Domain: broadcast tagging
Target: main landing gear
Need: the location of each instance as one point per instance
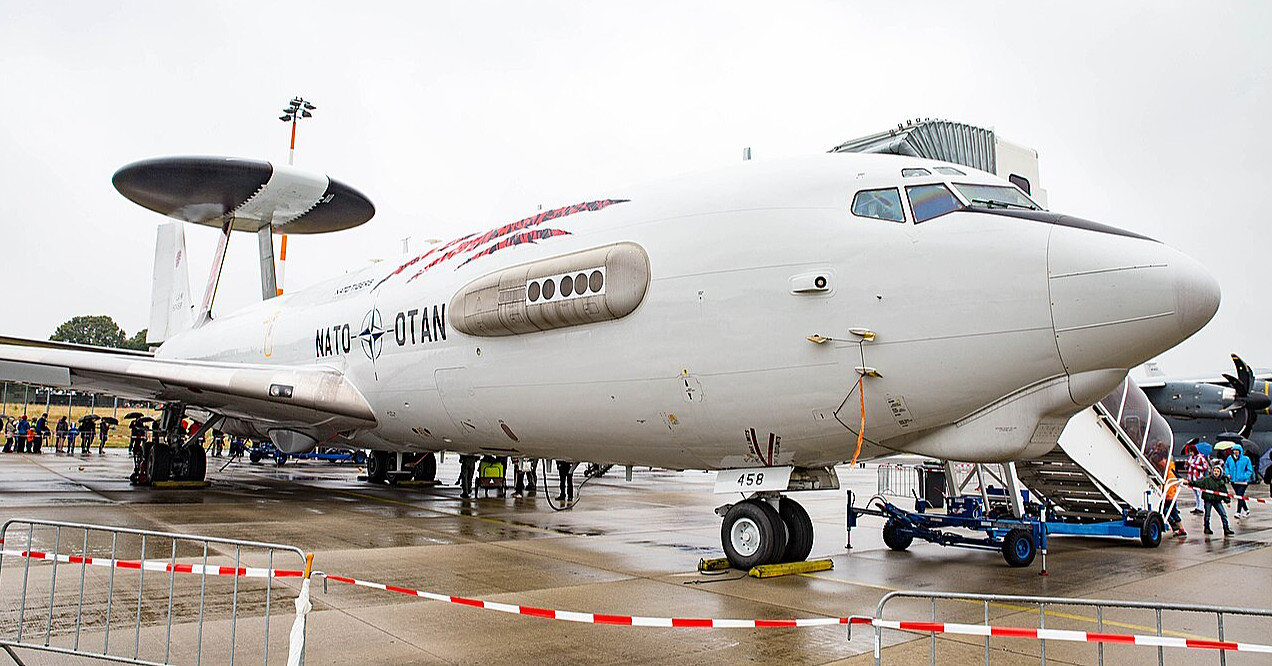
(169, 455)
(387, 466)
(766, 528)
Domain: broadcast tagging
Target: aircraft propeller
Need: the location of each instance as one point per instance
(1246, 403)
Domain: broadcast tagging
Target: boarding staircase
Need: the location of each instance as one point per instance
(1095, 473)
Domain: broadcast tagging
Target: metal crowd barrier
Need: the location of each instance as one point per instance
(1047, 607)
(898, 480)
(139, 583)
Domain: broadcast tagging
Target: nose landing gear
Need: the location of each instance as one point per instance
(766, 528)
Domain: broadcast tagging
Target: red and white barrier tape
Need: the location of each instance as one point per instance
(598, 618)
(1071, 636)
(645, 621)
(1240, 497)
(159, 565)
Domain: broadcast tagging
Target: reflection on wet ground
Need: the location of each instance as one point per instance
(626, 548)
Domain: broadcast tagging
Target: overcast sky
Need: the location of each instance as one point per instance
(454, 117)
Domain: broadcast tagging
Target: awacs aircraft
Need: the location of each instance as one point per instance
(755, 320)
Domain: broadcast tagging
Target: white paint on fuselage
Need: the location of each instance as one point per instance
(960, 305)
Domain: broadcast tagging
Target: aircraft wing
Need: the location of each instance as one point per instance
(309, 396)
(52, 344)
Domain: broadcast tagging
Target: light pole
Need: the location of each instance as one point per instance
(297, 109)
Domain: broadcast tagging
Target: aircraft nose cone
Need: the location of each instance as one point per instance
(1196, 295)
(1120, 300)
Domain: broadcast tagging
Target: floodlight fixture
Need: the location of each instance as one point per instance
(309, 106)
(284, 118)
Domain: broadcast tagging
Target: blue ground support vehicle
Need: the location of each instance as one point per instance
(266, 450)
(1018, 539)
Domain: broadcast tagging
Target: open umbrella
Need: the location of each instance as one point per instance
(89, 417)
(1223, 446)
(111, 420)
(133, 415)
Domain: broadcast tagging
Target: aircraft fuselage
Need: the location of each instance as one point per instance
(990, 328)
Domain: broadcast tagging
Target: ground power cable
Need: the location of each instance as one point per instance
(569, 503)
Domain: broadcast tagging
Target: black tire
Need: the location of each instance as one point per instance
(799, 530)
(254, 456)
(1018, 548)
(197, 467)
(895, 539)
(378, 464)
(1151, 530)
(749, 534)
(779, 527)
(425, 468)
(160, 463)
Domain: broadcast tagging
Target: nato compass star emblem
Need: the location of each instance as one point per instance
(372, 335)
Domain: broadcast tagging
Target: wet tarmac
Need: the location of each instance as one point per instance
(627, 548)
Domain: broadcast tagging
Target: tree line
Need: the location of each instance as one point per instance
(99, 331)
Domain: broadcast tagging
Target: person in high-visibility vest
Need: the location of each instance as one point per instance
(1173, 518)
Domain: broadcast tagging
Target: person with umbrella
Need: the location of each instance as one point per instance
(87, 429)
(136, 430)
(1197, 467)
(103, 431)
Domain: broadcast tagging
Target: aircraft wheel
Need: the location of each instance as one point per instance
(197, 467)
(1018, 548)
(752, 534)
(378, 464)
(160, 462)
(894, 539)
(1151, 531)
(425, 468)
(799, 530)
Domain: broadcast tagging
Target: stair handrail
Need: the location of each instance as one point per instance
(1158, 479)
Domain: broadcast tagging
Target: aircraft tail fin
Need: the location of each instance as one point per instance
(171, 309)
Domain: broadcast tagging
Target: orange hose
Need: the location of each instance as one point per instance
(861, 429)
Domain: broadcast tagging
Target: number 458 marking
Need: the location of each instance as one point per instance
(751, 480)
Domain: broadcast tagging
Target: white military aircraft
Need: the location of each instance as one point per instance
(768, 320)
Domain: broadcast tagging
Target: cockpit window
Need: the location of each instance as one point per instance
(879, 204)
(995, 196)
(949, 171)
(929, 201)
(915, 171)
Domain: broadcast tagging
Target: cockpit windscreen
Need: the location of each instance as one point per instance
(995, 196)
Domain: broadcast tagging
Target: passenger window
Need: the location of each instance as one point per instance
(950, 171)
(911, 173)
(879, 204)
(929, 201)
